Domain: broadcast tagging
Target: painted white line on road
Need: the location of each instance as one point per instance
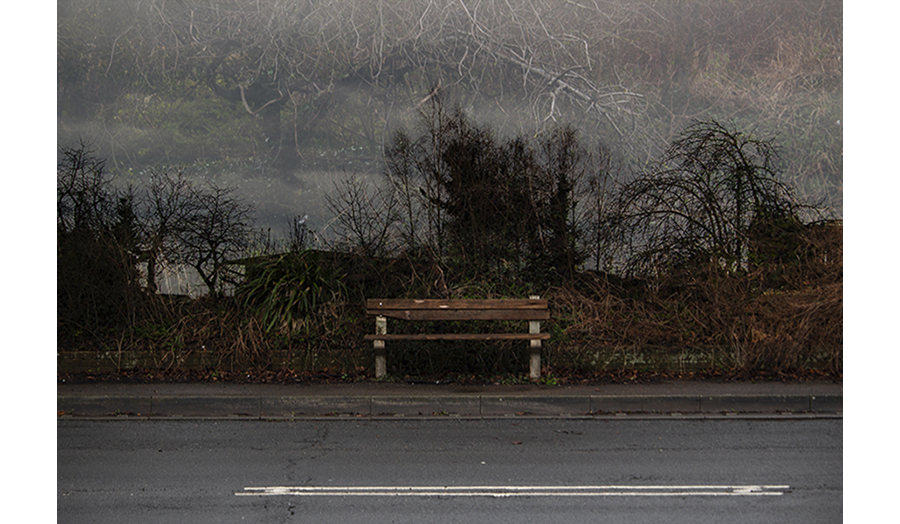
(518, 491)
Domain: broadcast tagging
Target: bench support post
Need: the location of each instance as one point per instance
(534, 352)
(534, 349)
(380, 352)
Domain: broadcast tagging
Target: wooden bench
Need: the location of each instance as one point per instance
(533, 310)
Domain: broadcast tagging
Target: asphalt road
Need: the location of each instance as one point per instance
(518, 470)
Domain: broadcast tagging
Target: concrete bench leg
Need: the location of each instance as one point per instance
(534, 352)
(380, 353)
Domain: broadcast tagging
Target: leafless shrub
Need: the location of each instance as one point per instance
(702, 202)
(365, 217)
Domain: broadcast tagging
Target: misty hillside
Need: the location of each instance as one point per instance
(281, 98)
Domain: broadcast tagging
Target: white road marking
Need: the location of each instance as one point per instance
(517, 491)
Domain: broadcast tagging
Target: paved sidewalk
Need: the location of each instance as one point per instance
(276, 401)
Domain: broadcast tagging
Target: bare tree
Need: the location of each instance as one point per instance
(698, 204)
(84, 194)
(215, 232)
(364, 217)
(168, 205)
(347, 68)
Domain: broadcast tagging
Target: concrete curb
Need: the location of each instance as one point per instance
(468, 406)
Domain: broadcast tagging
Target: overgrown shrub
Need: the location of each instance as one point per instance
(98, 285)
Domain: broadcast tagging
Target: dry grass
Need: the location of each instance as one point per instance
(712, 319)
(692, 322)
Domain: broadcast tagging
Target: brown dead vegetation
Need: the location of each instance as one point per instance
(697, 325)
(738, 322)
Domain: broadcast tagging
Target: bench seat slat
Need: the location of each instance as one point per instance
(463, 314)
(504, 303)
(461, 336)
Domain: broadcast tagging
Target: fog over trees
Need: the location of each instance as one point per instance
(280, 97)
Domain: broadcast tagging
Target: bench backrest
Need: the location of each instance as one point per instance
(437, 309)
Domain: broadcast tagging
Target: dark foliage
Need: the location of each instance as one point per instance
(104, 233)
(285, 288)
(98, 284)
(487, 208)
